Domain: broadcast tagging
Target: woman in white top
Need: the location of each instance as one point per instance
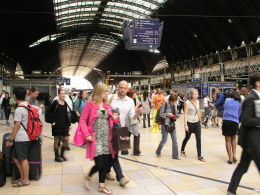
(192, 119)
(146, 105)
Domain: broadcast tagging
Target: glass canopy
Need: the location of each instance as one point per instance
(82, 15)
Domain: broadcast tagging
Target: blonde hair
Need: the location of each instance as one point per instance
(97, 92)
(192, 91)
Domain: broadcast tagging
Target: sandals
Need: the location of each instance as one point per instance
(20, 183)
(87, 183)
(201, 159)
(15, 181)
(183, 154)
(234, 160)
(104, 190)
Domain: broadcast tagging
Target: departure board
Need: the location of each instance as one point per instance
(142, 34)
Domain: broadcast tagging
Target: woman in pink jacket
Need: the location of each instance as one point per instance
(95, 126)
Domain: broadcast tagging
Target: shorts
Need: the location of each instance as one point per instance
(220, 113)
(20, 150)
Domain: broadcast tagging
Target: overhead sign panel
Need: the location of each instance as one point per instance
(142, 34)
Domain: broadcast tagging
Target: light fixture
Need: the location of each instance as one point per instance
(243, 43)
(195, 35)
(258, 39)
(154, 51)
(230, 21)
(229, 47)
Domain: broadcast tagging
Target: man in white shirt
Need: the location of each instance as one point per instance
(2, 96)
(126, 108)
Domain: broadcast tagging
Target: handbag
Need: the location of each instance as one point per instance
(170, 127)
(73, 117)
(120, 138)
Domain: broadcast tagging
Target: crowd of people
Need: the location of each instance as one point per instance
(97, 113)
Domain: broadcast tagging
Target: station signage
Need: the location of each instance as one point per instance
(63, 80)
(142, 34)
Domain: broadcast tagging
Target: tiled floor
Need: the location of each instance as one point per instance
(67, 178)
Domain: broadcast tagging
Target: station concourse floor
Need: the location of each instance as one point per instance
(145, 179)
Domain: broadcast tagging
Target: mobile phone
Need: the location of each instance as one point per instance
(115, 111)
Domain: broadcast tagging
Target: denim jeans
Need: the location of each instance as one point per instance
(165, 133)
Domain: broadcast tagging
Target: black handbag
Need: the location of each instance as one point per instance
(73, 117)
(121, 138)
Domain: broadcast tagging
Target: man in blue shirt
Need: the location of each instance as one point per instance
(220, 102)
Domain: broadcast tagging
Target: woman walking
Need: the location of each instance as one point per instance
(181, 103)
(60, 125)
(96, 123)
(232, 109)
(192, 122)
(80, 102)
(147, 105)
(133, 125)
(169, 113)
(6, 107)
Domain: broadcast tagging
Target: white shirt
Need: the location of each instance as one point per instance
(167, 98)
(257, 92)
(126, 108)
(1, 98)
(206, 102)
(242, 98)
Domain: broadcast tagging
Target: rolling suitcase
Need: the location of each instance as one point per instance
(35, 161)
(2, 174)
(7, 155)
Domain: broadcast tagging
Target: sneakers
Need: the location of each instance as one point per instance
(110, 177)
(123, 181)
(139, 154)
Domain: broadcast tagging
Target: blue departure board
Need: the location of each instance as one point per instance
(142, 34)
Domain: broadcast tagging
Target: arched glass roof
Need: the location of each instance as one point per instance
(72, 15)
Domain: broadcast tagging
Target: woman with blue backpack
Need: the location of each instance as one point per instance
(168, 116)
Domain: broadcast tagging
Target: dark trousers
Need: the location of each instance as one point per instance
(193, 128)
(181, 107)
(144, 120)
(7, 112)
(117, 168)
(243, 167)
(103, 163)
(137, 144)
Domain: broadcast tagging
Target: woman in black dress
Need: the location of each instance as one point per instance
(6, 107)
(60, 125)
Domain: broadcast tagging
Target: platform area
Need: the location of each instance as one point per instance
(148, 174)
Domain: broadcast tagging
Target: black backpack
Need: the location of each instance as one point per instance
(158, 118)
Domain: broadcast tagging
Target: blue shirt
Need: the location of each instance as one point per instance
(220, 102)
(232, 109)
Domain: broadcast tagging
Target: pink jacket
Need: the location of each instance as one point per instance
(86, 128)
